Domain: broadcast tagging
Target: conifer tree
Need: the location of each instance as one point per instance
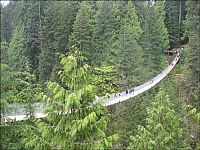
(83, 28)
(47, 39)
(65, 15)
(172, 21)
(131, 68)
(11, 135)
(32, 22)
(7, 87)
(105, 79)
(73, 120)
(17, 51)
(155, 37)
(27, 15)
(130, 55)
(23, 82)
(191, 71)
(192, 53)
(7, 16)
(163, 130)
(27, 90)
(56, 26)
(104, 38)
(16, 89)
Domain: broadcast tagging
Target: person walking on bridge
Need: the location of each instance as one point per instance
(132, 90)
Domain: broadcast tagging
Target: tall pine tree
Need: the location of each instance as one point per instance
(17, 51)
(83, 29)
(130, 55)
(104, 38)
(155, 37)
(172, 21)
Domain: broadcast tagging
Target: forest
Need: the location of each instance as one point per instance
(63, 55)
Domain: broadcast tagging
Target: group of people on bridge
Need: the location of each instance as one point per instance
(126, 92)
(119, 94)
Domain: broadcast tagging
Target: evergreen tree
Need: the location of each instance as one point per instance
(29, 13)
(11, 135)
(23, 82)
(130, 55)
(17, 51)
(192, 54)
(15, 88)
(73, 121)
(7, 87)
(33, 24)
(65, 14)
(191, 71)
(163, 130)
(132, 72)
(104, 38)
(83, 28)
(155, 37)
(105, 80)
(27, 90)
(54, 37)
(7, 16)
(172, 21)
(127, 117)
(160, 14)
(47, 38)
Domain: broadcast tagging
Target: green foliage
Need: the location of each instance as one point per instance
(127, 117)
(130, 57)
(17, 50)
(104, 38)
(104, 79)
(17, 84)
(195, 115)
(162, 39)
(192, 67)
(73, 121)
(121, 41)
(34, 11)
(8, 89)
(155, 37)
(11, 135)
(27, 90)
(4, 52)
(83, 28)
(54, 36)
(172, 21)
(163, 130)
(16, 87)
(47, 54)
(7, 16)
(65, 15)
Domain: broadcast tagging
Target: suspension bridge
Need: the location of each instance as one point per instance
(113, 98)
